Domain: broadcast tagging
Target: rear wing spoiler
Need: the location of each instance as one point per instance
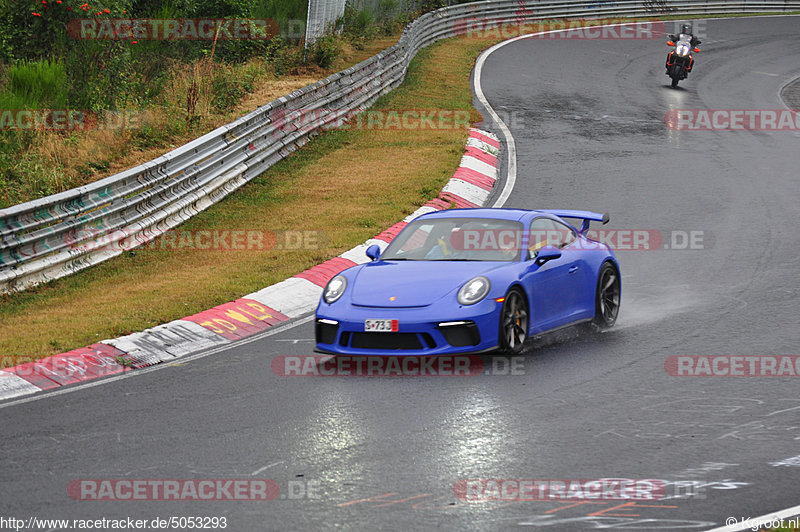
(586, 216)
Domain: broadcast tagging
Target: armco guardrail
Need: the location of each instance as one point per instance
(54, 236)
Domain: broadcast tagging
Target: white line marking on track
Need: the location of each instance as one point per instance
(499, 202)
(509, 187)
(511, 146)
(257, 471)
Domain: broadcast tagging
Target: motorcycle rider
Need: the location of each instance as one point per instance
(685, 31)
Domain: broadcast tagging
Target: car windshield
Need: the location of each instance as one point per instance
(457, 239)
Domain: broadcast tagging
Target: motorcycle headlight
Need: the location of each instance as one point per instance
(474, 290)
(682, 50)
(334, 289)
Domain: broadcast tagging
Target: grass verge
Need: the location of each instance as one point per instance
(342, 188)
(193, 98)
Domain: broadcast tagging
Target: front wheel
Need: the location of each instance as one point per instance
(513, 322)
(675, 75)
(607, 299)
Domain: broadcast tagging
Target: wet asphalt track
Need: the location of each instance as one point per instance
(385, 453)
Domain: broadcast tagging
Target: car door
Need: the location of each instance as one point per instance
(552, 287)
(579, 280)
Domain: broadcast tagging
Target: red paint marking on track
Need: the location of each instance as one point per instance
(459, 202)
(438, 204)
(484, 138)
(322, 273)
(475, 178)
(96, 360)
(481, 155)
(238, 319)
(392, 232)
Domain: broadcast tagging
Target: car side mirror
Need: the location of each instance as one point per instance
(547, 253)
(374, 251)
(670, 43)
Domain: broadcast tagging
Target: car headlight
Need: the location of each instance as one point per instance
(334, 289)
(474, 290)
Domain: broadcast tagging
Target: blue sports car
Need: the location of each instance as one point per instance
(471, 281)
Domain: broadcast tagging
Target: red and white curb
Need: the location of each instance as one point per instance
(470, 186)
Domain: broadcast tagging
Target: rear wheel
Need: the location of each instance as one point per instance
(607, 300)
(513, 322)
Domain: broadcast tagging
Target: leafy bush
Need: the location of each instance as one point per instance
(286, 58)
(355, 21)
(227, 90)
(289, 14)
(33, 29)
(325, 50)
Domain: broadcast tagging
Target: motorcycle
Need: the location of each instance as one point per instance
(680, 60)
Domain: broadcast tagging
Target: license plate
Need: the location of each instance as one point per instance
(380, 325)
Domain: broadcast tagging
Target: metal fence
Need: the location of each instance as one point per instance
(322, 15)
(55, 236)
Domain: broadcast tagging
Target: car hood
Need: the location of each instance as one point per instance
(395, 284)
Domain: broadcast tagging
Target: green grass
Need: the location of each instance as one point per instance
(343, 185)
(312, 190)
(35, 85)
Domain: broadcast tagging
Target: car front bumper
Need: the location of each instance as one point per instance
(429, 330)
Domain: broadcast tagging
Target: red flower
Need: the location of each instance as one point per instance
(44, 2)
(97, 13)
(36, 14)
(106, 11)
(135, 42)
(58, 1)
(85, 7)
